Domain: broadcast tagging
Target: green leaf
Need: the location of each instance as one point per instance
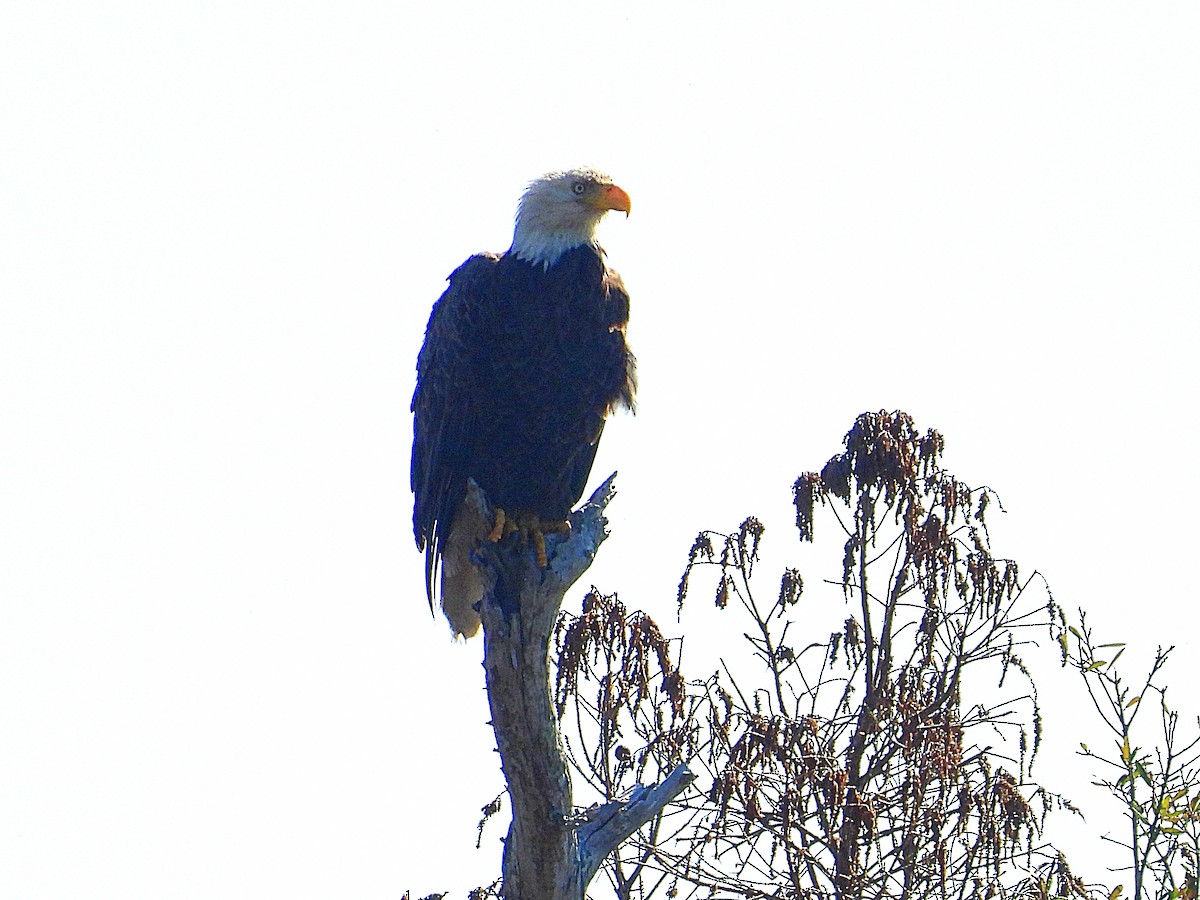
(1096, 665)
(1116, 892)
(1134, 701)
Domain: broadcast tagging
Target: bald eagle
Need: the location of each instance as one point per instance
(524, 358)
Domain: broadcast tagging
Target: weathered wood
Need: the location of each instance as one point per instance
(610, 825)
(548, 855)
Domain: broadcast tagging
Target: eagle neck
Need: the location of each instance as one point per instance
(549, 252)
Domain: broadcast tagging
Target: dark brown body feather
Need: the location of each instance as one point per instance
(520, 366)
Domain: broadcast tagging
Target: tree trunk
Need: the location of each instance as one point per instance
(550, 853)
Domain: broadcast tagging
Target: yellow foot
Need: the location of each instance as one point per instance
(535, 531)
(497, 531)
(539, 548)
(562, 527)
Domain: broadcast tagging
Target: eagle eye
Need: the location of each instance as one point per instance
(579, 187)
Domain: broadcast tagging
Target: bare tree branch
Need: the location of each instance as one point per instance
(610, 825)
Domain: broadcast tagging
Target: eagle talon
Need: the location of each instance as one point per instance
(562, 528)
(497, 531)
(533, 531)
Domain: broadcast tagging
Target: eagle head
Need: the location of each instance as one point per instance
(561, 210)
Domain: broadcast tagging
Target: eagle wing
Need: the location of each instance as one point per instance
(444, 410)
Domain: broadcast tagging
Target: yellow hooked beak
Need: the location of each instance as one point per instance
(610, 196)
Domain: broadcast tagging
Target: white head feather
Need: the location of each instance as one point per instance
(560, 211)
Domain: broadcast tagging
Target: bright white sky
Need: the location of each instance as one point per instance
(221, 230)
